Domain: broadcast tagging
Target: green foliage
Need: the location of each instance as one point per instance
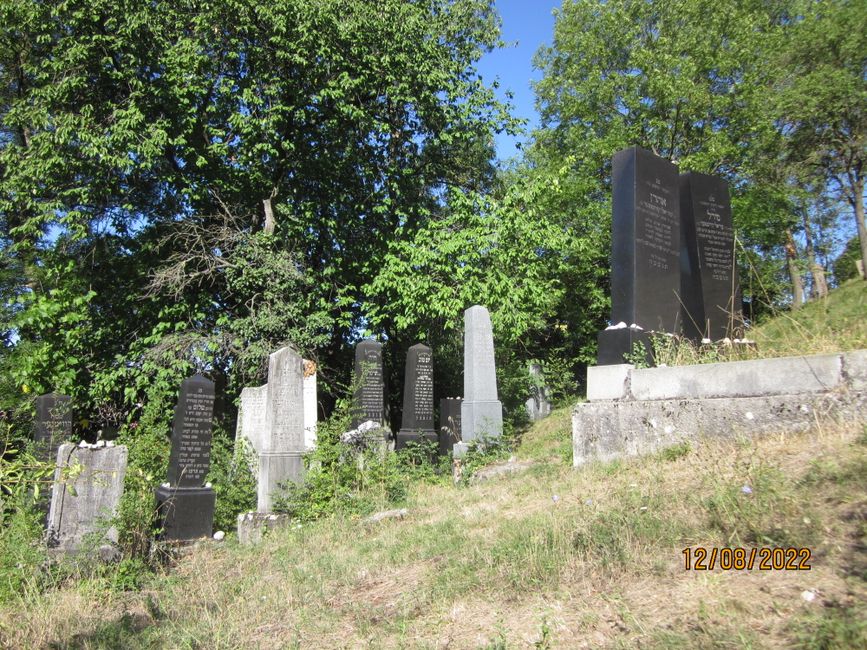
(676, 452)
(232, 480)
(844, 265)
(22, 550)
(483, 452)
(834, 628)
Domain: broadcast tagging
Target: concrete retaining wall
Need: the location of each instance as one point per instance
(638, 411)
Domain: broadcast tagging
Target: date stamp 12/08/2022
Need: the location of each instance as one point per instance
(739, 559)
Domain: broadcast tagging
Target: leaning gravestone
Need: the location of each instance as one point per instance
(418, 398)
(53, 424)
(185, 503)
(709, 281)
(369, 398)
(645, 260)
(282, 456)
(450, 424)
(311, 405)
(88, 484)
(481, 411)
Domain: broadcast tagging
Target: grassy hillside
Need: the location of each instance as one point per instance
(551, 558)
(838, 322)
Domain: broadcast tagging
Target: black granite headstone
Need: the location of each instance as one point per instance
(418, 398)
(450, 423)
(645, 261)
(369, 398)
(186, 506)
(53, 424)
(709, 279)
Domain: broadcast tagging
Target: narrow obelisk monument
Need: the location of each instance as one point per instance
(711, 305)
(282, 450)
(481, 411)
(369, 398)
(418, 398)
(645, 259)
(185, 503)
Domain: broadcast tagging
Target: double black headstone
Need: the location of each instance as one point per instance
(369, 398)
(186, 505)
(53, 424)
(418, 398)
(709, 279)
(450, 423)
(673, 266)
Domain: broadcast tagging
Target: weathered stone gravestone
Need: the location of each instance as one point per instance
(251, 421)
(311, 405)
(481, 411)
(538, 405)
(645, 260)
(185, 503)
(281, 457)
(418, 398)
(88, 484)
(53, 424)
(450, 424)
(710, 291)
(369, 398)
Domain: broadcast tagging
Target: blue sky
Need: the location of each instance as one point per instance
(527, 24)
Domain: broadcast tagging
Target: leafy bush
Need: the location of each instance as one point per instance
(22, 551)
(232, 480)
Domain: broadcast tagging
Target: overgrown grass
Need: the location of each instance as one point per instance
(534, 560)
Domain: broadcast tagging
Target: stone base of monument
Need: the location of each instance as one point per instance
(481, 419)
(275, 470)
(253, 527)
(615, 345)
(185, 513)
(405, 437)
(633, 412)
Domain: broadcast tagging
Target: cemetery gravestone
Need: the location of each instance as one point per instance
(185, 504)
(645, 264)
(709, 281)
(481, 411)
(53, 423)
(418, 398)
(310, 405)
(538, 405)
(450, 424)
(369, 398)
(88, 484)
(281, 458)
(251, 421)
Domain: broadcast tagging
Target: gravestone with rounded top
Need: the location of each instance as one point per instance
(185, 503)
(418, 398)
(369, 397)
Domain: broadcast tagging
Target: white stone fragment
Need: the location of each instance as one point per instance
(219, 536)
(638, 328)
(620, 326)
(749, 415)
(100, 444)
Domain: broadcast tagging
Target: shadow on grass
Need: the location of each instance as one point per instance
(129, 631)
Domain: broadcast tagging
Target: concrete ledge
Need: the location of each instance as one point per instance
(255, 526)
(608, 382)
(604, 431)
(759, 377)
(855, 369)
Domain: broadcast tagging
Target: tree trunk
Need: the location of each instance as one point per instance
(794, 273)
(270, 222)
(858, 196)
(819, 289)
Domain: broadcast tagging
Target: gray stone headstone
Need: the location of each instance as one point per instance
(88, 485)
(538, 405)
(710, 290)
(311, 405)
(53, 423)
(450, 423)
(481, 410)
(251, 420)
(186, 504)
(418, 398)
(369, 398)
(281, 458)
(645, 258)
